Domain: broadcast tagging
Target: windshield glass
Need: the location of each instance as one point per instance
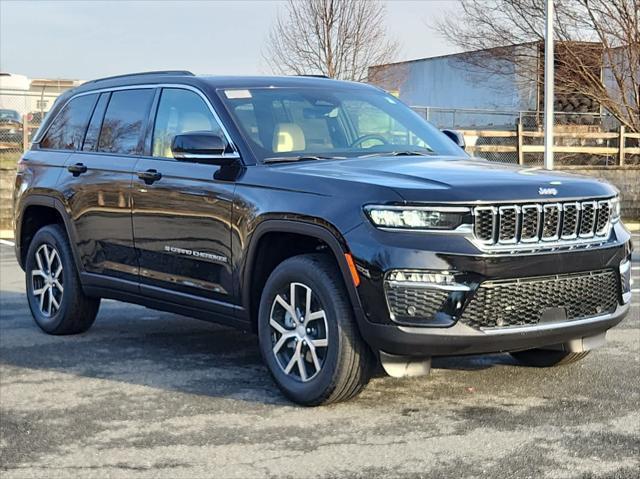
(290, 123)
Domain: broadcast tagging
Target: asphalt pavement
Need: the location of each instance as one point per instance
(150, 394)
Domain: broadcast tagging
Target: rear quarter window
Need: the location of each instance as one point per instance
(67, 129)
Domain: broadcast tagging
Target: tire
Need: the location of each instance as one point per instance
(345, 361)
(546, 358)
(52, 279)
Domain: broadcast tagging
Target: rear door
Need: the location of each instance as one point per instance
(182, 219)
(97, 183)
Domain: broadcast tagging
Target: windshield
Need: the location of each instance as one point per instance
(316, 123)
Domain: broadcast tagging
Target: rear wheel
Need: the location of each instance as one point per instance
(546, 358)
(58, 304)
(307, 333)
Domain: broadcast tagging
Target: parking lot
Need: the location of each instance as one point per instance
(149, 394)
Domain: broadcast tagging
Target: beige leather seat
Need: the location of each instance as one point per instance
(288, 137)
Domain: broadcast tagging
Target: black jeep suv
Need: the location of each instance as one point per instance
(326, 216)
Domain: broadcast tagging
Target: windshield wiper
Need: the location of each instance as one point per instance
(284, 159)
(400, 153)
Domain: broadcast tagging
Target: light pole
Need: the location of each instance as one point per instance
(548, 87)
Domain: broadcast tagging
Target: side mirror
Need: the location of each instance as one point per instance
(456, 137)
(203, 146)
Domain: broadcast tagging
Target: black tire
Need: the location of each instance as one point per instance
(546, 358)
(76, 312)
(345, 362)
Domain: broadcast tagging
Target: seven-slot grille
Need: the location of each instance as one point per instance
(537, 225)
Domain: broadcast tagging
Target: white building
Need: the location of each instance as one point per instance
(29, 95)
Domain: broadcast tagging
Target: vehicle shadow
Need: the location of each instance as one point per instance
(135, 345)
(144, 347)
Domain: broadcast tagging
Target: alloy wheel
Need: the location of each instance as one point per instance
(299, 332)
(47, 280)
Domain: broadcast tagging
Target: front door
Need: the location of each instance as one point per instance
(181, 212)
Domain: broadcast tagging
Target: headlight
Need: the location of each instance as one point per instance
(418, 218)
(615, 209)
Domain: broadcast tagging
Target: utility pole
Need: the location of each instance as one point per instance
(548, 87)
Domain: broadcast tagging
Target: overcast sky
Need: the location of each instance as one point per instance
(84, 40)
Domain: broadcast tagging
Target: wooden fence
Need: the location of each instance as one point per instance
(521, 149)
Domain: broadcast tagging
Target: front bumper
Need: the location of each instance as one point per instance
(446, 334)
(460, 339)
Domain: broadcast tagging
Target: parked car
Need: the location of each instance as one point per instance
(325, 216)
(10, 128)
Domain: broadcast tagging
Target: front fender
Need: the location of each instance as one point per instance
(312, 227)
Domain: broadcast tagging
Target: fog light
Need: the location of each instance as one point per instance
(625, 280)
(444, 280)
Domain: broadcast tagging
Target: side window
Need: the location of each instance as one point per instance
(67, 130)
(124, 121)
(93, 130)
(180, 111)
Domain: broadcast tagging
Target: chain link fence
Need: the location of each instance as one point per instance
(21, 113)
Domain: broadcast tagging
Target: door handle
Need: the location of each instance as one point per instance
(77, 169)
(149, 176)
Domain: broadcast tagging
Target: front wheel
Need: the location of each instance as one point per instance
(308, 336)
(546, 358)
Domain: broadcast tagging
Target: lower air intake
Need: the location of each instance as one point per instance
(524, 302)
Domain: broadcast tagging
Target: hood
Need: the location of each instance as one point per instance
(437, 179)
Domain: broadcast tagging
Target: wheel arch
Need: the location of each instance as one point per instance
(38, 211)
(327, 235)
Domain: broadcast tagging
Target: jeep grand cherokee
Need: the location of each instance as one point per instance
(325, 216)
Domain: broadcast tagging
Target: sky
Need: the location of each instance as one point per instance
(84, 40)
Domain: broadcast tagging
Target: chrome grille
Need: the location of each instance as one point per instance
(531, 215)
(508, 232)
(588, 219)
(604, 217)
(541, 225)
(485, 222)
(570, 220)
(551, 222)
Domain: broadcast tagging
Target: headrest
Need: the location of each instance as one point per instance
(288, 137)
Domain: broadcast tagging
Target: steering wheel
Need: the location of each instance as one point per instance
(363, 138)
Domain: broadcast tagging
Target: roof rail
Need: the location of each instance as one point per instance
(312, 75)
(159, 72)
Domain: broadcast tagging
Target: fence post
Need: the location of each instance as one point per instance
(25, 133)
(520, 142)
(621, 146)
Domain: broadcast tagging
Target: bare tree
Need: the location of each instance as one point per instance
(598, 53)
(336, 38)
